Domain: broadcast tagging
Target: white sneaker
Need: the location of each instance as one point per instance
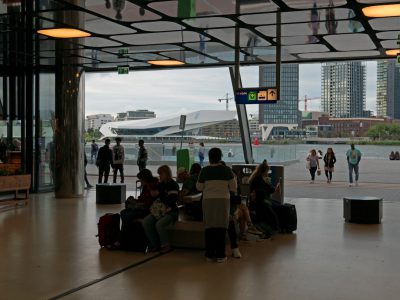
(350, 184)
(236, 253)
(253, 230)
(222, 259)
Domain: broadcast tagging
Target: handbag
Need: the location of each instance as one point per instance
(319, 172)
(308, 164)
(158, 209)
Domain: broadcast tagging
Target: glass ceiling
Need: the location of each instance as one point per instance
(204, 35)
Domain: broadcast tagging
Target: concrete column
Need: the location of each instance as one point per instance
(69, 114)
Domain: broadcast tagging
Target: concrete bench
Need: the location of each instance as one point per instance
(361, 209)
(187, 234)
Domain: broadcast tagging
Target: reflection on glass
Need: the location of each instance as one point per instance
(354, 26)
(314, 25)
(331, 24)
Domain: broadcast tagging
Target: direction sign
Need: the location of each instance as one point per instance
(256, 95)
(272, 94)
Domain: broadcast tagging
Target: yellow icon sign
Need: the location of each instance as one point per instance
(262, 96)
(272, 95)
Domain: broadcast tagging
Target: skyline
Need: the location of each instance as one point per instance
(188, 90)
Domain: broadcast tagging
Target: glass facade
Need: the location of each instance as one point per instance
(285, 111)
(388, 89)
(343, 89)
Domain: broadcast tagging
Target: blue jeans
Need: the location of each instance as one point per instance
(351, 168)
(156, 229)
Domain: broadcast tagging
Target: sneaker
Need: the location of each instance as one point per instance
(209, 259)
(350, 184)
(243, 237)
(165, 249)
(222, 259)
(236, 253)
(253, 230)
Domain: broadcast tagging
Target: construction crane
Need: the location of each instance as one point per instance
(308, 99)
(227, 99)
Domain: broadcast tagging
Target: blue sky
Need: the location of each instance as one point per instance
(171, 92)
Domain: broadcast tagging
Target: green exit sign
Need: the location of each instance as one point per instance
(122, 52)
(122, 70)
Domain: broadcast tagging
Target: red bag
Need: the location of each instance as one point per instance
(108, 229)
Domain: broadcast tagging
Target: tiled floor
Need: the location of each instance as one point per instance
(49, 248)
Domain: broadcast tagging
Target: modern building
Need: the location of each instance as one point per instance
(254, 127)
(49, 249)
(342, 127)
(135, 115)
(96, 121)
(343, 89)
(284, 115)
(201, 125)
(388, 89)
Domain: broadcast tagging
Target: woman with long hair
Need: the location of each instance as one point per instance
(313, 159)
(329, 161)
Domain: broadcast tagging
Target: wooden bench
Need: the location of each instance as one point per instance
(16, 184)
(187, 234)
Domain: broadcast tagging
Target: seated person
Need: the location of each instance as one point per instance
(189, 188)
(260, 191)
(181, 175)
(149, 193)
(189, 185)
(164, 212)
(392, 156)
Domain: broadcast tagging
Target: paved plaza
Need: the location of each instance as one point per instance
(378, 177)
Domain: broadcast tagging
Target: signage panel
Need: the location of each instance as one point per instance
(123, 70)
(256, 96)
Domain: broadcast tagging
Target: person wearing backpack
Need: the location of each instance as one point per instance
(353, 160)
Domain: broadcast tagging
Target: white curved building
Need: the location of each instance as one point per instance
(202, 124)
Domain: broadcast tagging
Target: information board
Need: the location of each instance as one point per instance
(256, 96)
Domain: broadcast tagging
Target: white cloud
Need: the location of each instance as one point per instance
(180, 91)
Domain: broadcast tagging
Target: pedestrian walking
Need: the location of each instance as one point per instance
(313, 164)
(353, 160)
(85, 161)
(142, 156)
(329, 164)
(118, 160)
(94, 148)
(201, 154)
(104, 161)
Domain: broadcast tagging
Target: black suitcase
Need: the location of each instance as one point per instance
(287, 217)
(132, 237)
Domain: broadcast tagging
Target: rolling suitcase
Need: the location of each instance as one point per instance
(287, 217)
(108, 229)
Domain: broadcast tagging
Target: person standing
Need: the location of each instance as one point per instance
(174, 150)
(94, 148)
(202, 151)
(353, 160)
(104, 160)
(216, 181)
(329, 164)
(313, 160)
(118, 160)
(88, 185)
(142, 156)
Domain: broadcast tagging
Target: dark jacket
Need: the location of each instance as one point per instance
(262, 189)
(104, 156)
(329, 160)
(169, 193)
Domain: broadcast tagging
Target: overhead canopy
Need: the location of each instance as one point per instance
(200, 33)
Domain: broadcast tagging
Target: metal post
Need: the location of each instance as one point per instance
(241, 108)
(278, 55)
